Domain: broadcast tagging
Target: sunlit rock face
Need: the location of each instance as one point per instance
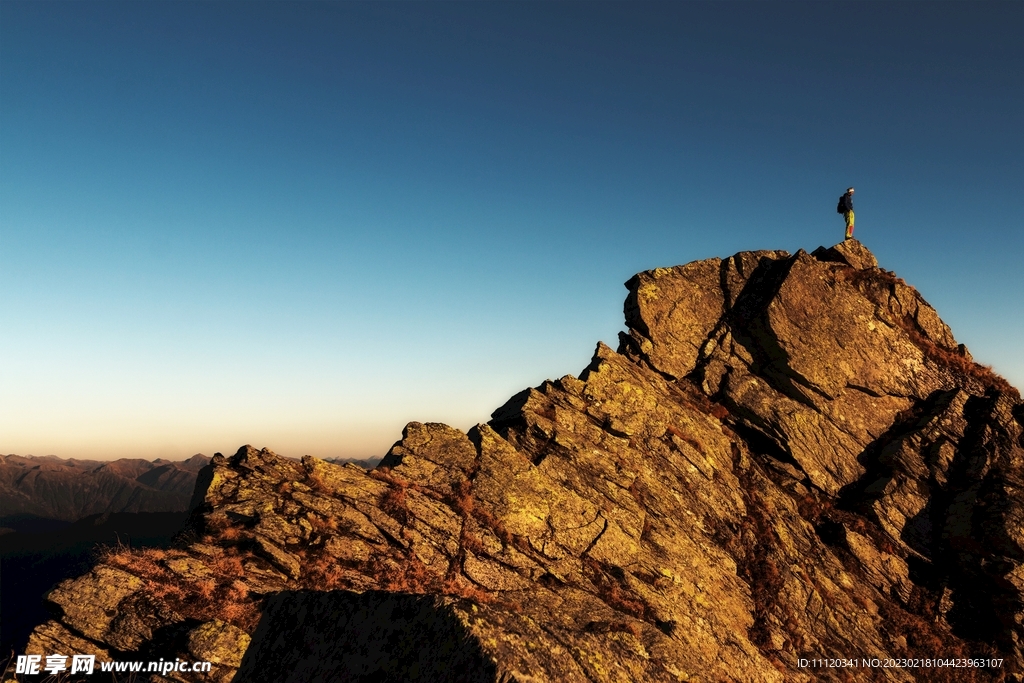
(788, 457)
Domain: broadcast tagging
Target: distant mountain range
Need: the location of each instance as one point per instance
(56, 514)
(41, 491)
(365, 463)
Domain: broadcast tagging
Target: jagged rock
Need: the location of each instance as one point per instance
(281, 559)
(263, 580)
(789, 456)
(52, 637)
(189, 568)
(851, 252)
(90, 604)
(889, 573)
(219, 643)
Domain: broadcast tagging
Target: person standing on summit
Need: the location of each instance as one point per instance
(846, 208)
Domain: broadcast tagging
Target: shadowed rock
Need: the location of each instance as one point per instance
(389, 637)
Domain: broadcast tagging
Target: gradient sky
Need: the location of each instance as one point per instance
(301, 226)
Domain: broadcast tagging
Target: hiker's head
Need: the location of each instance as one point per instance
(850, 190)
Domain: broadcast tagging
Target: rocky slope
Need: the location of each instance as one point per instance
(788, 457)
(50, 488)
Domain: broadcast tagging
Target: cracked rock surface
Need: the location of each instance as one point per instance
(788, 456)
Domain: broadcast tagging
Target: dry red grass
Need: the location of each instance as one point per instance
(692, 398)
(812, 506)
(460, 586)
(613, 626)
(647, 527)
(387, 476)
(238, 591)
(218, 596)
(956, 362)
(752, 544)
(317, 484)
(410, 575)
(323, 572)
(612, 590)
(321, 524)
(462, 498)
(393, 503)
(494, 524)
(925, 638)
(948, 358)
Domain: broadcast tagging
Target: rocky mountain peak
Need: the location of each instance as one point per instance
(788, 457)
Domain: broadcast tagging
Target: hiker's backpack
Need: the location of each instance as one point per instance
(842, 204)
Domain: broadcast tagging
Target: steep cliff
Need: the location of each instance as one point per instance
(789, 457)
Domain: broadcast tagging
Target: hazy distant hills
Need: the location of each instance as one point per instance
(64, 508)
(56, 512)
(34, 489)
(365, 463)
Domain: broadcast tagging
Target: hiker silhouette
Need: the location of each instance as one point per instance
(845, 207)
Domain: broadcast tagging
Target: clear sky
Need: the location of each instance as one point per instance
(301, 226)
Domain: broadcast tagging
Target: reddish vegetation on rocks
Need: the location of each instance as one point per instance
(788, 457)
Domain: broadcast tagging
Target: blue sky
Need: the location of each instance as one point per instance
(303, 225)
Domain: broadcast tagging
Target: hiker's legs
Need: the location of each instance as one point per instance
(849, 224)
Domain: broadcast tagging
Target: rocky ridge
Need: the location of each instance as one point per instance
(788, 456)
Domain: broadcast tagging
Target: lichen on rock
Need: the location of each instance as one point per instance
(787, 457)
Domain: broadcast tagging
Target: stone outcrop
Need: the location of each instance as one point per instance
(788, 457)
